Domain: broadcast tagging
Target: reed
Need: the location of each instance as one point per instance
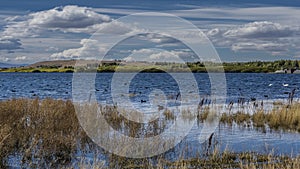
(47, 133)
(286, 117)
(216, 159)
(44, 131)
(281, 117)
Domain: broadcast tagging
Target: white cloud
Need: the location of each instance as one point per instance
(269, 29)
(66, 19)
(276, 30)
(251, 46)
(213, 32)
(129, 59)
(91, 49)
(261, 30)
(5, 59)
(21, 58)
(159, 55)
(158, 38)
(115, 27)
(143, 51)
(60, 22)
(267, 36)
(165, 56)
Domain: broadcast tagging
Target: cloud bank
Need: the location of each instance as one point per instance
(266, 36)
(274, 30)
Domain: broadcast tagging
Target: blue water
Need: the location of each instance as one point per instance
(59, 85)
(258, 86)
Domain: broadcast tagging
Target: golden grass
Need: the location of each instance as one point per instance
(47, 133)
(47, 129)
(216, 160)
(285, 117)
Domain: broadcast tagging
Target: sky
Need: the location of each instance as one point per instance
(244, 30)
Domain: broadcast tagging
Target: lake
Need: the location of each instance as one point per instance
(59, 85)
(250, 86)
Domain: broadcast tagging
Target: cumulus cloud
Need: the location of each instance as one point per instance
(159, 55)
(213, 32)
(264, 29)
(10, 44)
(69, 18)
(274, 37)
(91, 49)
(255, 36)
(165, 56)
(157, 38)
(115, 27)
(21, 58)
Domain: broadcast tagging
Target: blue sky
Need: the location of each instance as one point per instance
(241, 30)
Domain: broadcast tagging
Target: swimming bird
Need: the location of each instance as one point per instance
(210, 140)
(160, 107)
(285, 85)
(270, 84)
(177, 96)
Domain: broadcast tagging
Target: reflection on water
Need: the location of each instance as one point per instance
(241, 139)
(59, 85)
(266, 87)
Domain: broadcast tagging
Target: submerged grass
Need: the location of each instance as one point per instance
(44, 131)
(216, 160)
(47, 133)
(282, 117)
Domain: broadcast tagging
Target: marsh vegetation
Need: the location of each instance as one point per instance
(46, 133)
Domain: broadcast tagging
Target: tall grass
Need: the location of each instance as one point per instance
(47, 133)
(43, 131)
(284, 116)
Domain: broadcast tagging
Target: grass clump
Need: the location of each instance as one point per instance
(47, 133)
(44, 131)
(285, 117)
(281, 117)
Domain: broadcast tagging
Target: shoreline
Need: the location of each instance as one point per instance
(280, 67)
(71, 71)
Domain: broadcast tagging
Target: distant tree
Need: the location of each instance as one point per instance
(281, 63)
(295, 64)
(288, 64)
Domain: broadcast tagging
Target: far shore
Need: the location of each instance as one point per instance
(68, 66)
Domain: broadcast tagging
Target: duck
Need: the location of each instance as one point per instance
(285, 84)
(160, 107)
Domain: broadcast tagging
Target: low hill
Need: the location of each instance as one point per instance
(56, 63)
(66, 63)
